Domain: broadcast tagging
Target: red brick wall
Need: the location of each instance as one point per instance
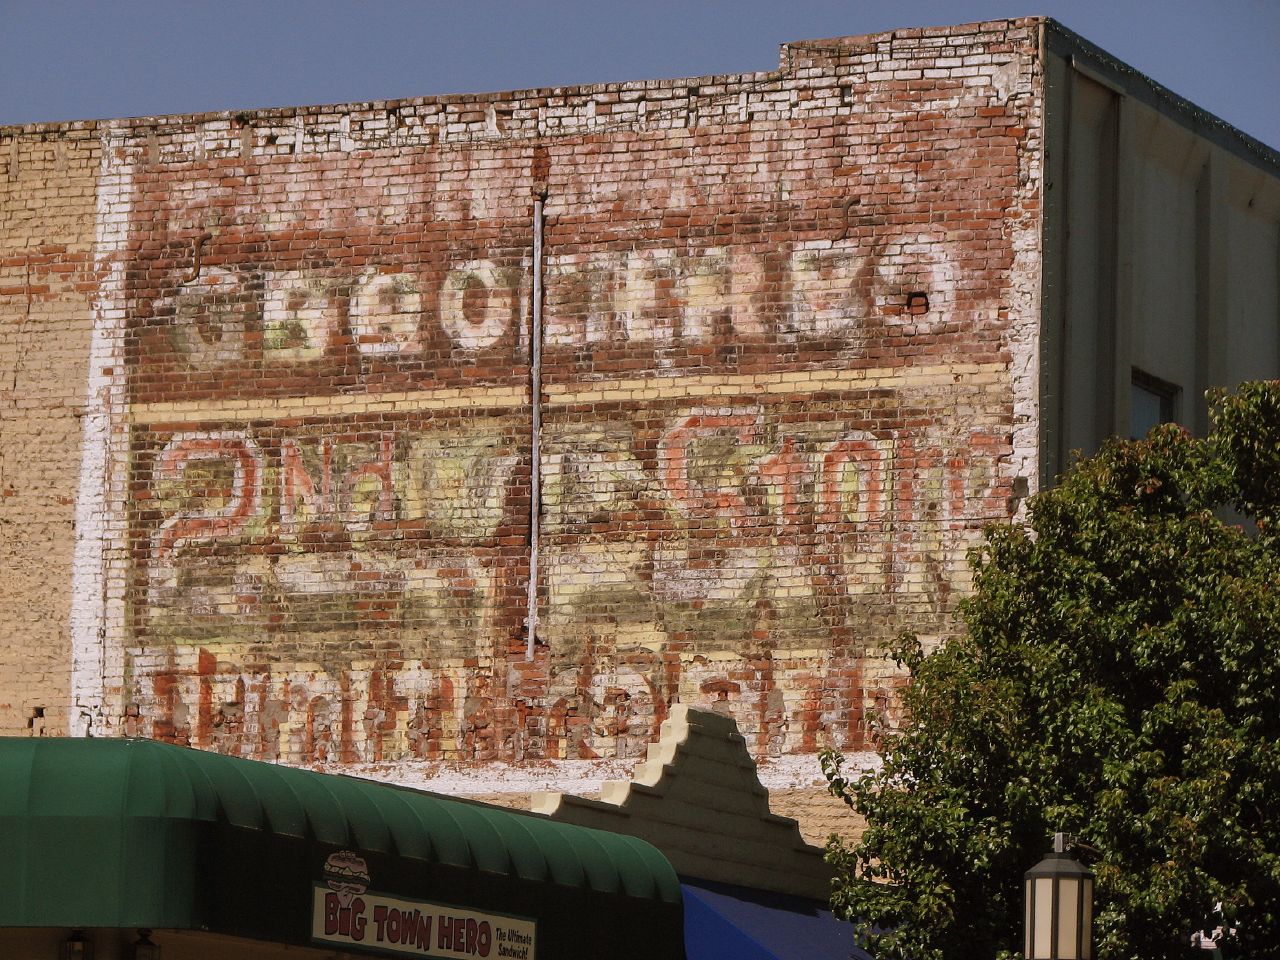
(786, 379)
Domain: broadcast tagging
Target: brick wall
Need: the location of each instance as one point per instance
(788, 361)
(47, 280)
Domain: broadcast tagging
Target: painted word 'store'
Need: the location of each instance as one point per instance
(853, 477)
(719, 469)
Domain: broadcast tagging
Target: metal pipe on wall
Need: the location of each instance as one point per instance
(535, 396)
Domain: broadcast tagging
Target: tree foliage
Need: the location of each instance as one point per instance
(1118, 679)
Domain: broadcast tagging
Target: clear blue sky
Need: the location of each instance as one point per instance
(76, 59)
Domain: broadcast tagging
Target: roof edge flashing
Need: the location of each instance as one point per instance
(1109, 70)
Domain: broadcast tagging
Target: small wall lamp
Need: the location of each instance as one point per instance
(76, 947)
(1059, 917)
(144, 949)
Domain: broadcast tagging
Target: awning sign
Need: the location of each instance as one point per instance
(345, 911)
(416, 928)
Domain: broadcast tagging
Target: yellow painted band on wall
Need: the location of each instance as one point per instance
(702, 386)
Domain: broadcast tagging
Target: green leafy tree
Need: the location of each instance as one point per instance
(1118, 679)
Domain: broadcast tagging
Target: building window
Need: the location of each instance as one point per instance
(1152, 401)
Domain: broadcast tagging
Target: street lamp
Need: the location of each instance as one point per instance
(1059, 891)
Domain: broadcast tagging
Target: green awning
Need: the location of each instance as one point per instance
(137, 833)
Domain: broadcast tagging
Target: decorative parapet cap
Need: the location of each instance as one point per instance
(698, 799)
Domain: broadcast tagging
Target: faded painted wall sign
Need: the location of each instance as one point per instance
(778, 408)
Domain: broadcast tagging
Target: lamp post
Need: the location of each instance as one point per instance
(1059, 917)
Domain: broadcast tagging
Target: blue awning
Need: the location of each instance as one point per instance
(723, 922)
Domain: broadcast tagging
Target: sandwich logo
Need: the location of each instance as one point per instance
(347, 875)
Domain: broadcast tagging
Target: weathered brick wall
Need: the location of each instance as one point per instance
(47, 281)
(787, 376)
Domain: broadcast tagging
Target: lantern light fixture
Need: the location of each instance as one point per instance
(1059, 906)
(76, 947)
(144, 948)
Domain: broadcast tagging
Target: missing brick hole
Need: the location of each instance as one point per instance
(37, 713)
(917, 303)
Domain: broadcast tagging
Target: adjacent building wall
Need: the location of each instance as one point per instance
(1162, 250)
(48, 278)
(789, 371)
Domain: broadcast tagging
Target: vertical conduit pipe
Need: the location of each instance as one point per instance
(535, 395)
